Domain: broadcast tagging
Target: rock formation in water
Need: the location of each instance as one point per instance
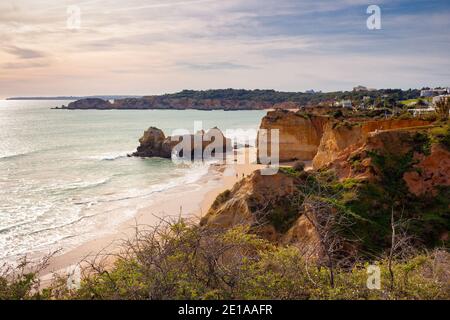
(154, 144)
(199, 145)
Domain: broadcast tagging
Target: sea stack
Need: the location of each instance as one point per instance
(155, 144)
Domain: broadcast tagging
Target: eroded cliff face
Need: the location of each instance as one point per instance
(248, 201)
(404, 171)
(338, 139)
(430, 172)
(299, 134)
(356, 162)
(370, 168)
(320, 138)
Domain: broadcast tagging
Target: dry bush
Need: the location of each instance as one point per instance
(443, 108)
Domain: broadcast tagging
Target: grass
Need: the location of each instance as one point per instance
(412, 101)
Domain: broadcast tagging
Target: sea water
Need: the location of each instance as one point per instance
(65, 176)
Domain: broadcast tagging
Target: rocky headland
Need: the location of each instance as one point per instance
(170, 103)
(239, 99)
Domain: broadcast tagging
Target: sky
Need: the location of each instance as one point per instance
(147, 47)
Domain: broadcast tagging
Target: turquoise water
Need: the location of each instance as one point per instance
(65, 176)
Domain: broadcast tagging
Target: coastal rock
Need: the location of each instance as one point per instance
(241, 204)
(262, 202)
(198, 146)
(90, 103)
(153, 144)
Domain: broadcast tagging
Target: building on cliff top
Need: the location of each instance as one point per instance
(434, 92)
(346, 104)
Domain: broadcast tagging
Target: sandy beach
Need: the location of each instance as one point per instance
(190, 201)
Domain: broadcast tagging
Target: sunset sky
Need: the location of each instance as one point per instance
(151, 47)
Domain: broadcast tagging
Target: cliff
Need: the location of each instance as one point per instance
(299, 134)
(249, 201)
(239, 99)
(168, 103)
(321, 138)
(90, 103)
(344, 137)
(365, 172)
(431, 172)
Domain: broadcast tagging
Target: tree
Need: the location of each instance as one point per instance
(401, 245)
(319, 204)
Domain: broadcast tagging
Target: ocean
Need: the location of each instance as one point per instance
(65, 177)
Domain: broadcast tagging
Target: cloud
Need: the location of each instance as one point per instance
(24, 65)
(166, 45)
(214, 66)
(23, 53)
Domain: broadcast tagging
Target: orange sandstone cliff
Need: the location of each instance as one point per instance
(321, 138)
(299, 135)
(377, 166)
(340, 138)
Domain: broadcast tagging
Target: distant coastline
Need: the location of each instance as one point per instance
(239, 99)
(74, 97)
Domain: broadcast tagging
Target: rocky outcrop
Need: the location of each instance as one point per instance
(266, 203)
(299, 134)
(247, 201)
(431, 171)
(154, 144)
(346, 137)
(90, 103)
(198, 146)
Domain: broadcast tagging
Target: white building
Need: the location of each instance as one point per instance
(346, 104)
(418, 112)
(426, 93)
(433, 92)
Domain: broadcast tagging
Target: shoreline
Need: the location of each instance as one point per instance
(192, 201)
